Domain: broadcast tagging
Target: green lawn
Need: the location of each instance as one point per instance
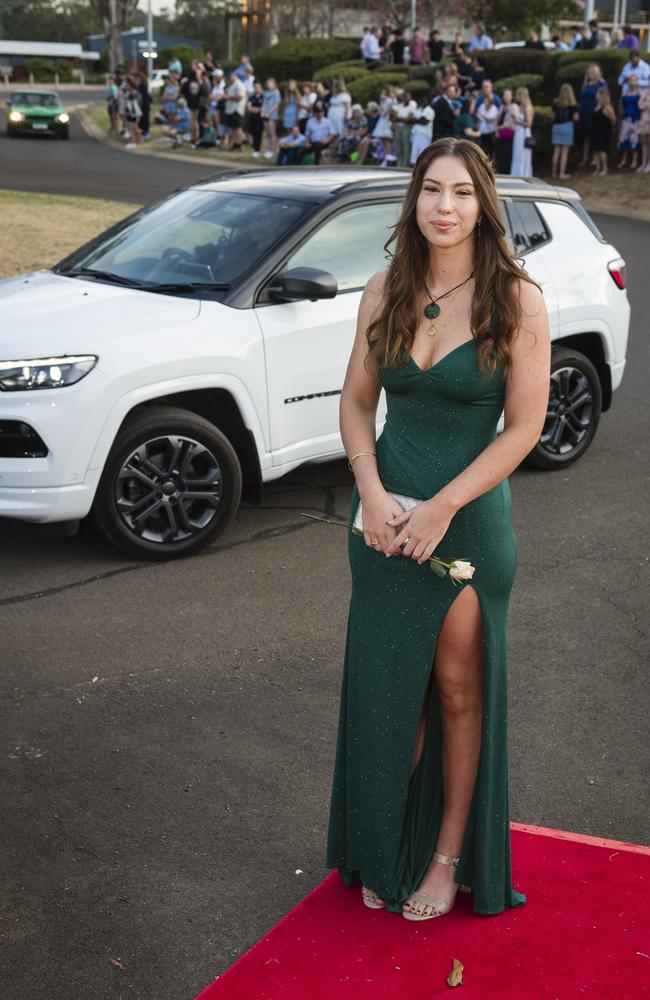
(51, 226)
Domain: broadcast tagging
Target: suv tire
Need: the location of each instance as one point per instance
(575, 403)
(150, 501)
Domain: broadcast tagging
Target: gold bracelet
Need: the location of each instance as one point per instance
(351, 460)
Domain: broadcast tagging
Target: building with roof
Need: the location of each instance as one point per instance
(14, 56)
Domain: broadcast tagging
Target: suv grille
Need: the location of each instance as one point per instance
(19, 440)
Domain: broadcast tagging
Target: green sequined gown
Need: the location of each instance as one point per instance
(383, 821)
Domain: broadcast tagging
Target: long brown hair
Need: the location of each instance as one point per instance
(496, 310)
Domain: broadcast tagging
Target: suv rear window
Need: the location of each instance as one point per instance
(528, 227)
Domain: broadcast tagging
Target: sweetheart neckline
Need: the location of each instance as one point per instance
(425, 371)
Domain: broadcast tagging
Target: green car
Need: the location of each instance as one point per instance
(36, 111)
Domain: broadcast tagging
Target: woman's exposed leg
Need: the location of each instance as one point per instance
(564, 158)
(555, 160)
(458, 674)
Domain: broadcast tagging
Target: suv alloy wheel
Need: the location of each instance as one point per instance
(171, 483)
(574, 406)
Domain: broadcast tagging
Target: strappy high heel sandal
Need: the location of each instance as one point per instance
(370, 899)
(424, 897)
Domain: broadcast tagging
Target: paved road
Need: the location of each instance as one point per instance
(84, 166)
(169, 729)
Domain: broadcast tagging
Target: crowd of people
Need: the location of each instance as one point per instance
(388, 44)
(308, 122)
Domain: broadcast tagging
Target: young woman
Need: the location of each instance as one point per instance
(307, 101)
(522, 156)
(487, 114)
(384, 128)
(643, 129)
(133, 114)
(291, 106)
(508, 114)
(565, 114)
(628, 139)
(340, 105)
(466, 125)
(601, 124)
(270, 107)
(419, 799)
(422, 130)
(592, 81)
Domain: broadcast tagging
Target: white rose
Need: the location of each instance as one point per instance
(460, 570)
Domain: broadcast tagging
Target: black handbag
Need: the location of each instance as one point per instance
(530, 142)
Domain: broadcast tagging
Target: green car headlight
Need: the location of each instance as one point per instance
(45, 373)
(16, 116)
(63, 118)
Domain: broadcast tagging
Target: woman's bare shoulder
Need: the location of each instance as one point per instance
(531, 296)
(375, 285)
(373, 293)
(533, 324)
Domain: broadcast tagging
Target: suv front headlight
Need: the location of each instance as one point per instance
(16, 116)
(63, 118)
(45, 373)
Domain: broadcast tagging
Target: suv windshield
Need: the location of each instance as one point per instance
(197, 237)
(36, 100)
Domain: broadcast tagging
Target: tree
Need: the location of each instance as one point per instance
(115, 15)
(514, 18)
(48, 20)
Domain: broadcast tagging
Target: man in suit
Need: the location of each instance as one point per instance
(445, 113)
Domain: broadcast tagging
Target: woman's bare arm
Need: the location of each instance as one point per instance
(360, 393)
(358, 414)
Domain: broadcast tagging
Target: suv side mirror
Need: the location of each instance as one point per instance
(303, 283)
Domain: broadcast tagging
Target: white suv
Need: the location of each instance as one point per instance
(197, 350)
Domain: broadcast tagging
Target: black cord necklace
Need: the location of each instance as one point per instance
(432, 309)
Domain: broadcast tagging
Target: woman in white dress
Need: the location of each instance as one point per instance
(384, 129)
(522, 157)
(340, 106)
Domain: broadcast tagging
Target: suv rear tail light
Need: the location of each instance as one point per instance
(618, 271)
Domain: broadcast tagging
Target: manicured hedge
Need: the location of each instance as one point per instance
(369, 87)
(533, 81)
(421, 73)
(416, 87)
(301, 58)
(511, 62)
(348, 73)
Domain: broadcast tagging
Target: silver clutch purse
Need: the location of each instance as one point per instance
(405, 502)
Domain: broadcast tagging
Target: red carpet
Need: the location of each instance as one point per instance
(584, 932)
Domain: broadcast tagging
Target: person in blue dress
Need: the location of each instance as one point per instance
(628, 137)
(593, 81)
(291, 105)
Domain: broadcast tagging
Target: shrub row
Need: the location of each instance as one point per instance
(369, 86)
(533, 81)
(301, 58)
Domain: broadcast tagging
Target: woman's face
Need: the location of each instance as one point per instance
(507, 97)
(447, 195)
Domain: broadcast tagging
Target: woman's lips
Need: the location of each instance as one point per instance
(444, 225)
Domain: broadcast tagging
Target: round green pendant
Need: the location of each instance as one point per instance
(432, 311)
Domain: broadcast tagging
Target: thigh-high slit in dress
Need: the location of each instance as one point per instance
(384, 818)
